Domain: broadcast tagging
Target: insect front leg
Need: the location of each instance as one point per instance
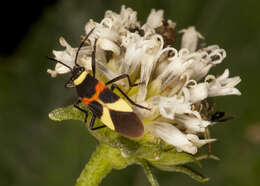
(122, 77)
(92, 122)
(76, 105)
(131, 101)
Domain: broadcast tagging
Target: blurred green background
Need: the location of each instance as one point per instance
(38, 151)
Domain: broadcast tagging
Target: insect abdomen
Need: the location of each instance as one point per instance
(127, 124)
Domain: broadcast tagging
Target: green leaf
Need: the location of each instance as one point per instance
(183, 169)
(174, 158)
(66, 113)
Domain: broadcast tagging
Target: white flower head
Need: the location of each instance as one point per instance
(173, 81)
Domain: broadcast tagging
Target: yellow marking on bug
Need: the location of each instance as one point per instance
(106, 118)
(119, 105)
(81, 78)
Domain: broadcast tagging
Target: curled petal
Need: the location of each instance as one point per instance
(223, 85)
(174, 69)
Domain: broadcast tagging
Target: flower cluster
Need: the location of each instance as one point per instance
(175, 80)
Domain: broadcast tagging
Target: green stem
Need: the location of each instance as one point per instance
(151, 178)
(102, 161)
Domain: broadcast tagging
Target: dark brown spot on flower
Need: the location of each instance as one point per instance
(215, 57)
(168, 33)
(109, 55)
(138, 30)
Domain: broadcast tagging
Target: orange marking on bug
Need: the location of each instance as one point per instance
(99, 88)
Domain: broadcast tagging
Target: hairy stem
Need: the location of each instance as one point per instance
(102, 161)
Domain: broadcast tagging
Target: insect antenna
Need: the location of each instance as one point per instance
(81, 44)
(52, 59)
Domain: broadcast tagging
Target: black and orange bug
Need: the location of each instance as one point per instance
(104, 104)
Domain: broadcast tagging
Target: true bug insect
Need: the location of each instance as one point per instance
(104, 104)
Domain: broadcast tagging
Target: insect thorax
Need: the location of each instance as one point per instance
(87, 86)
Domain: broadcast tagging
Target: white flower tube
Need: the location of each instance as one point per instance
(190, 38)
(171, 135)
(223, 85)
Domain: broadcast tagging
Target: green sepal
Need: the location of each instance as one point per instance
(66, 113)
(183, 169)
(207, 156)
(174, 158)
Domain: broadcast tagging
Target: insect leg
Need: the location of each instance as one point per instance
(226, 119)
(207, 136)
(122, 77)
(93, 61)
(92, 122)
(131, 101)
(82, 110)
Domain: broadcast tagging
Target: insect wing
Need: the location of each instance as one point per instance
(120, 117)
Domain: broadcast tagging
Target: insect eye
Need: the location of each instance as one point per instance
(82, 69)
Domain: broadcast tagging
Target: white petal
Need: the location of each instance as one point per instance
(174, 69)
(223, 85)
(61, 69)
(128, 17)
(169, 106)
(198, 92)
(155, 18)
(190, 38)
(67, 56)
(192, 124)
(171, 135)
(134, 52)
(198, 142)
(53, 73)
(65, 44)
(203, 60)
(107, 44)
(100, 31)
